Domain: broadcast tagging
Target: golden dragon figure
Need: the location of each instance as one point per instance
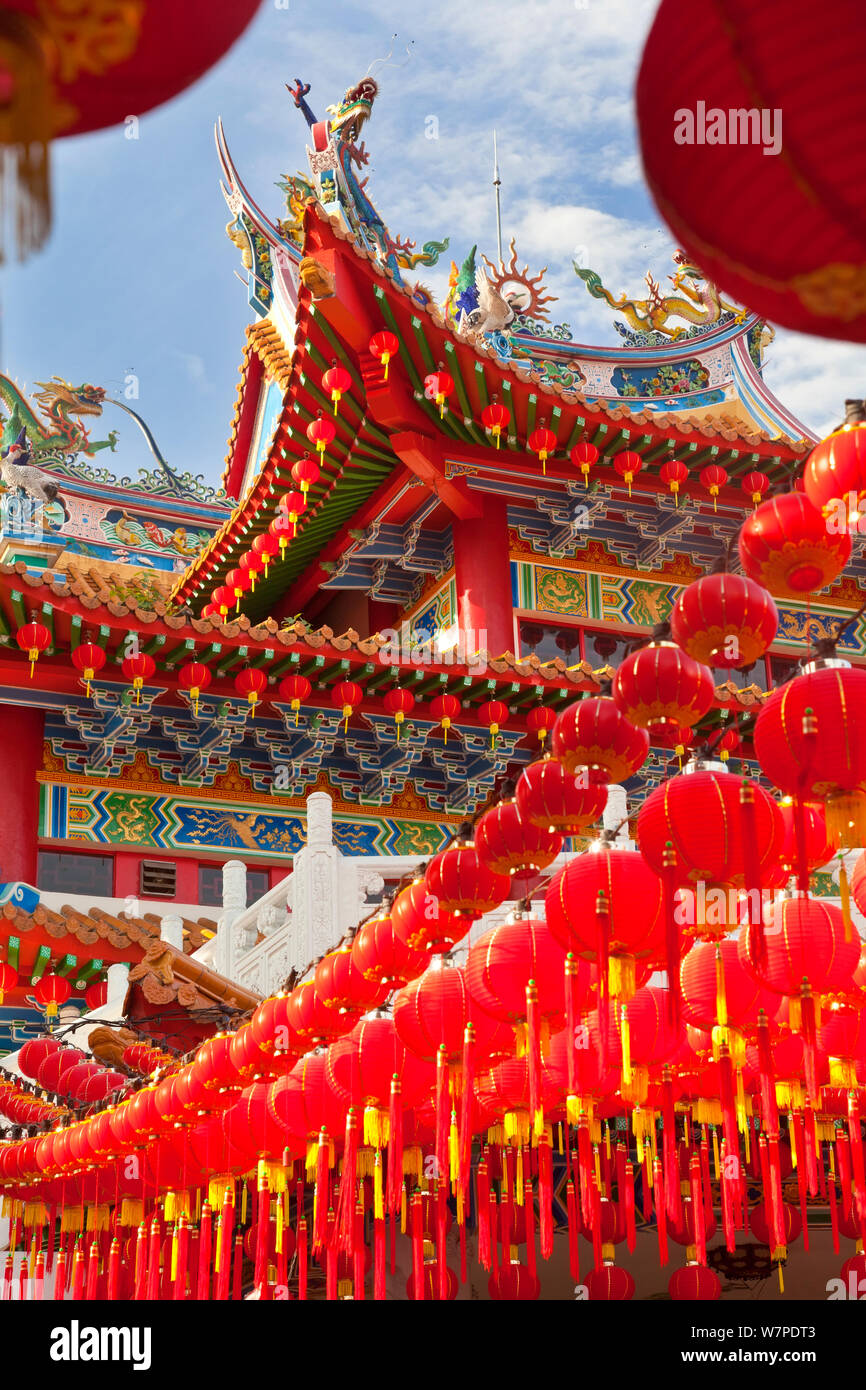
(696, 300)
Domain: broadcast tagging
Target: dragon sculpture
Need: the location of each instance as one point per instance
(696, 300)
(61, 432)
(335, 164)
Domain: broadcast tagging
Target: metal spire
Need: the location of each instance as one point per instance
(496, 184)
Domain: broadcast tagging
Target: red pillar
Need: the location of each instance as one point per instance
(22, 732)
(483, 578)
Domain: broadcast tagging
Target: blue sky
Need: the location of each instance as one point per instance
(138, 275)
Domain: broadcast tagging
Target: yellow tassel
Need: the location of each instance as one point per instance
(461, 1213)
(625, 1039)
(131, 1211)
(636, 1089)
(518, 1179)
(35, 1214)
(344, 1288)
(781, 1278)
(622, 977)
(721, 998)
(366, 1162)
(454, 1151)
(279, 1233)
(217, 1188)
(245, 1193)
(217, 1245)
(311, 1157)
(413, 1162)
(843, 1073)
(98, 1218)
(404, 1211)
(198, 1204)
(607, 1153)
(717, 1167)
(559, 1144)
(520, 1040)
(276, 1176)
(846, 819)
(378, 1198)
(377, 1127)
(174, 1253)
(597, 1158)
(176, 1204)
(72, 1219)
(517, 1126)
(845, 899)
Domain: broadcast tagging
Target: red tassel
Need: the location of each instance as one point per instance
(810, 1043)
(140, 1276)
(263, 1230)
(113, 1269)
(379, 1259)
(417, 1226)
(529, 1212)
(769, 1109)
(573, 1232)
(442, 1113)
(545, 1197)
(822, 1178)
(571, 969)
(348, 1186)
(834, 1215)
(602, 924)
(224, 1238)
(92, 1269)
(440, 1195)
(669, 1152)
(49, 1251)
(586, 1169)
(647, 1204)
(809, 1144)
(856, 1144)
(752, 870)
(777, 1224)
(533, 1059)
(330, 1270)
(59, 1277)
(466, 1110)
(322, 1194)
(801, 846)
(698, 1208)
(482, 1199)
(302, 1258)
(673, 941)
(494, 1227)
(506, 1204)
(621, 1154)
(727, 1206)
(726, 1097)
(395, 1147)
(358, 1255)
(596, 1226)
(462, 1238)
(182, 1233)
(843, 1155)
(204, 1253)
(628, 1191)
(39, 1278)
(153, 1261)
(78, 1273)
(705, 1177)
(798, 1135)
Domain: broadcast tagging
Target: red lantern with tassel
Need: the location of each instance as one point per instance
(660, 685)
(755, 484)
(674, 474)
(138, 669)
(609, 1283)
(383, 346)
(509, 844)
(787, 546)
(628, 464)
(266, 547)
(724, 620)
(542, 442)
(540, 721)
(583, 456)
(33, 638)
(336, 381)
(427, 922)
(553, 799)
(295, 689)
(835, 474)
(495, 418)
(514, 1283)
(594, 734)
(321, 432)
(438, 386)
(251, 683)
(51, 993)
(445, 708)
(252, 562)
(713, 478)
(238, 580)
(194, 677)
(607, 906)
(306, 473)
(493, 713)
(459, 881)
(384, 957)
(399, 703)
(88, 659)
(346, 695)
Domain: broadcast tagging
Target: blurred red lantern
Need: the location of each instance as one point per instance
(251, 683)
(493, 713)
(713, 478)
(55, 1066)
(810, 740)
(363, 1065)
(508, 843)
(311, 1020)
(8, 981)
(33, 638)
(786, 546)
(35, 1052)
(383, 346)
(628, 464)
(817, 843)
(266, 546)
(583, 456)
(346, 695)
(88, 659)
(495, 418)
(399, 703)
(704, 141)
(514, 1283)
(595, 735)
(755, 484)
(552, 798)
(432, 1283)
(761, 1228)
(674, 474)
(320, 432)
(724, 620)
(609, 1283)
(438, 386)
(540, 721)
(503, 961)
(194, 677)
(542, 442)
(295, 689)
(694, 1283)
(306, 473)
(96, 994)
(445, 708)
(661, 685)
(336, 381)
(138, 669)
(425, 922)
(835, 474)
(50, 993)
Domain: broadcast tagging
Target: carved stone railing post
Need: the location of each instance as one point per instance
(615, 815)
(318, 885)
(171, 930)
(234, 904)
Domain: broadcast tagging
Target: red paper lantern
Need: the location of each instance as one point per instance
(810, 740)
(445, 708)
(88, 659)
(493, 713)
(514, 1283)
(724, 620)
(255, 562)
(295, 689)
(609, 1283)
(542, 442)
(138, 669)
(713, 478)
(755, 484)
(33, 638)
(336, 381)
(710, 966)
(459, 880)
(35, 1052)
(595, 735)
(674, 474)
(495, 418)
(223, 598)
(710, 97)
(346, 695)
(50, 993)
(306, 473)
(383, 957)
(438, 386)
(786, 546)
(96, 995)
(383, 346)
(320, 432)
(266, 546)
(8, 980)
(427, 923)
(432, 1284)
(399, 703)
(835, 475)
(238, 580)
(805, 941)
(761, 1228)
(818, 845)
(194, 677)
(503, 961)
(341, 986)
(284, 522)
(432, 1013)
(628, 464)
(251, 683)
(632, 923)
(661, 685)
(583, 456)
(540, 721)
(552, 798)
(510, 844)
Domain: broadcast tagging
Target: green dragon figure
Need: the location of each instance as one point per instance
(697, 301)
(62, 432)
